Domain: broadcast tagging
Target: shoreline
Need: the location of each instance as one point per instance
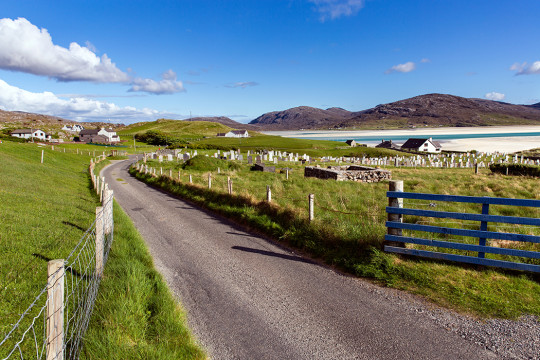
(464, 137)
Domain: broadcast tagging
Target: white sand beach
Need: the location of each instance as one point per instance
(507, 144)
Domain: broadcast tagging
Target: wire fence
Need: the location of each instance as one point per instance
(54, 324)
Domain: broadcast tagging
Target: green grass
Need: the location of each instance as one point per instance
(45, 209)
(135, 315)
(349, 228)
(176, 128)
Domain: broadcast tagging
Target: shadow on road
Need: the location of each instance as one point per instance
(270, 253)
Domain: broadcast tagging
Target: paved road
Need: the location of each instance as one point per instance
(247, 298)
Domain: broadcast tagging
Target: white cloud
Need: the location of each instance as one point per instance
(333, 9)
(526, 69)
(495, 96)
(403, 68)
(26, 48)
(167, 85)
(242, 85)
(425, 60)
(81, 109)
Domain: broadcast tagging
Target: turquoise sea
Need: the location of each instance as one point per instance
(403, 138)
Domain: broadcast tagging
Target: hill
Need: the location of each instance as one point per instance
(302, 117)
(423, 110)
(177, 128)
(20, 119)
(226, 121)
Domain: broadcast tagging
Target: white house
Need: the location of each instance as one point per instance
(31, 133)
(73, 128)
(422, 145)
(235, 133)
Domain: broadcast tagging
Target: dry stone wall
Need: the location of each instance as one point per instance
(348, 173)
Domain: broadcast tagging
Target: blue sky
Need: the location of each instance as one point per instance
(138, 60)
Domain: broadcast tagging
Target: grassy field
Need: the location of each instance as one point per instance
(349, 226)
(45, 209)
(176, 128)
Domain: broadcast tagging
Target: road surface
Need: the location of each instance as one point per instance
(247, 298)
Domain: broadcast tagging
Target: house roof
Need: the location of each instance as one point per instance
(220, 134)
(388, 144)
(89, 132)
(416, 143)
(239, 132)
(349, 142)
(22, 131)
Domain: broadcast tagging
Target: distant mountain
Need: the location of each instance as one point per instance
(423, 110)
(302, 117)
(226, 121)
(537, 105)
(444, 110)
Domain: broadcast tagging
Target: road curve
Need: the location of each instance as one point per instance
(247, 298)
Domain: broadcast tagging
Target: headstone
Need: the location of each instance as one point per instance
(250, 159)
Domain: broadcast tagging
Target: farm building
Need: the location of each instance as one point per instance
(388, 144)
(422, 145)
(31, 133)
(108, 134)
(351, 143)
(234, 133)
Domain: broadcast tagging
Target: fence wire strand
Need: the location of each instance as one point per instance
(28, 338)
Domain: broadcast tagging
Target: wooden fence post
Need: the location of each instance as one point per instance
(268, 193)
(170, 173)
(476, 168)
(42, 151)
(99, 240)
(229, 185)
(209, 180)
(178, 174)
(55, 310)
(311, 200)
(395, 185)
(218, 170)
(287, 173)
(190, 179)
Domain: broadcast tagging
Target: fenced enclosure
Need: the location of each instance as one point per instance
(53, 326)
(516, 249)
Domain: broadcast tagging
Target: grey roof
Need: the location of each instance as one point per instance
(22, 131)
(89, 132)
(388, 144)
(238, 132)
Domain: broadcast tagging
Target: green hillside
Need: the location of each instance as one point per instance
(176, 128)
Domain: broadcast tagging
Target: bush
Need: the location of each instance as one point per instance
(516, 169)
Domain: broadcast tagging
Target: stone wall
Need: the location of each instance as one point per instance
(348, 173)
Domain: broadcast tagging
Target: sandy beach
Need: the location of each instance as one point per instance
(463, 140)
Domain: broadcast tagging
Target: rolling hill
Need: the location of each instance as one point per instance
(177, 128)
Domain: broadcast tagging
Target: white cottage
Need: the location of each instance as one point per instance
(73, 128)
(422, 145)
(31, 133)
(234, 133)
